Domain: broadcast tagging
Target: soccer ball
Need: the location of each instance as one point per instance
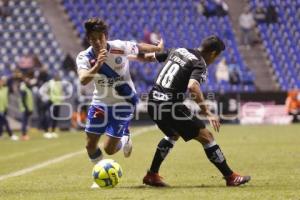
(107, 173)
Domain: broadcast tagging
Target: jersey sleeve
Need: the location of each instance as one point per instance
(162, 56)
(130, 48)
(82, 62)
(199, 72)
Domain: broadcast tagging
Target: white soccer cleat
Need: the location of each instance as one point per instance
(127, 148)
(94, 185)
(14, 138)
(48, 135)
(54, 135)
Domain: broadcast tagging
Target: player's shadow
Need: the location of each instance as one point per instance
(174, 187)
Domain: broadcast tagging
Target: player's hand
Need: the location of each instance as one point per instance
(161, 45)
(101, 57)
(213, 120)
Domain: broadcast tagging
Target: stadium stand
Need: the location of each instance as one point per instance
(25, 31)
(282, 41)
(128, 19)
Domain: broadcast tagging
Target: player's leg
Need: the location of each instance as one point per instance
(115, 139)
(213, 151)
(93, 150)
(117, 132)
(95, 127)
(8, 129)
(1, 125)
(164, 146)
(111, 145)
(25, 119)
(215, 155)
(56, 109)
(190, 127)
(127, 142)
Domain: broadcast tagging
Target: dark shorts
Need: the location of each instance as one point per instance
(175, 118)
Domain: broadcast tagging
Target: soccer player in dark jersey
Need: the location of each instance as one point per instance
(185, 69)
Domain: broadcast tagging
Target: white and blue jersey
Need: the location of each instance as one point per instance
(114, 95)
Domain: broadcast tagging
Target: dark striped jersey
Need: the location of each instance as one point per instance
(180, 66)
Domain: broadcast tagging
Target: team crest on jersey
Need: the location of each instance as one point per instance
(118, 60)
(92, 61)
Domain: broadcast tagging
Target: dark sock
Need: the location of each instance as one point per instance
(95, 157)
(215, 155)
(161, 153)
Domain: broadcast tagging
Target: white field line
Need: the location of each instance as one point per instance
(12, 156)
(61, 158)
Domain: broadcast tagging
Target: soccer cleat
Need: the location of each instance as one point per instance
(25, 137)
(94, 186)
(54, 135)
(47, 135)
(14, 137)
(236, 179)
(127, 148)
(153, 179)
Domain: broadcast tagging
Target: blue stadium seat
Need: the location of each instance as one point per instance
(175, 33)
(280, 39)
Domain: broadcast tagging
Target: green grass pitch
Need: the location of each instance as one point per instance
(270, 154)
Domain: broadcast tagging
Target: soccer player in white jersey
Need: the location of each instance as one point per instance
(114, 98)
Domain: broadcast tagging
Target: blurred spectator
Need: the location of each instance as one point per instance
(221, 8)
(42, 77)
(80, 110)
(42, 102)
(69, 63)
(222, 72)
(260, 14)
(271, 16)
(205, 8)
(293, 104)
(4, 94)
(26, 105)
(52, 97)
(247, 23)
(28, 64)
(234, 73)
(210, 9)
(4, 9)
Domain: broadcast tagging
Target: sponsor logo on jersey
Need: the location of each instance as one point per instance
(118, 60)
(116, 51)
(109, 82)
(186, 54)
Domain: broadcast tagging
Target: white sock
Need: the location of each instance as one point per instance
(170, 140)
(208, 145)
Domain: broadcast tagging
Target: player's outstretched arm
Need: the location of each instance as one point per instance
(86, 76)
(148, 48)
(197, 96)
(143, 57)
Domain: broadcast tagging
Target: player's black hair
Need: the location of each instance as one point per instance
(95, 24)
(212, 43)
